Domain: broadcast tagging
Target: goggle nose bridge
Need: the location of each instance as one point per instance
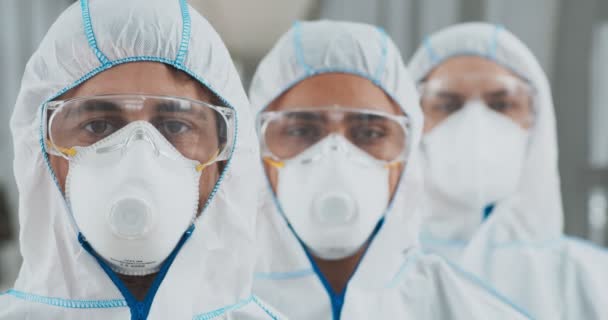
(139, 134)
(334, 145)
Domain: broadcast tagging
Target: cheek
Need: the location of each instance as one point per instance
(527, 125)
(394, 175)
(207, 182)
(60, 168)
(273, 176)
(429, 125)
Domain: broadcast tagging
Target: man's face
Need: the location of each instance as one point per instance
(341, 90)
(142, 78)
(459, 80)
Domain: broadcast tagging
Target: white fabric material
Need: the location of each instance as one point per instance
(472, 158)
(393, 281)
(520, 248)
(540, 178)
(213, 271)
(326, 204)
(137, 235)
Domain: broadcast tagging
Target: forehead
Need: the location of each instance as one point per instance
(345, 90)
(461, 65)
(472, 73)
(151, 78)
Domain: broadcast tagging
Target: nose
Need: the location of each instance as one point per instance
(141, 135)
(138, 134)
(335, 144)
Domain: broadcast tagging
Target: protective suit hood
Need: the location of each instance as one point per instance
(342, 50)
(392, 266)
(519, 249)
(535, 210)
(212, 271)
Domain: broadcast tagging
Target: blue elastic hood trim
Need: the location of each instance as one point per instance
(185, 41)
(139, 309)
(67, 303)
(88, 30)
(265, 308)
(384, 49)
(494, 42)
(299, 51)
(221, 311)
(430, 51)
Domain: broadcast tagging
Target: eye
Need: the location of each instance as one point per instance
(367, 134)
(173, 127)
(100, 128)
(500, 105)
(303, 131)
(448, 107)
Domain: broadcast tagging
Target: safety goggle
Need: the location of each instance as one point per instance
(197, 130)
(286, 134)
(507, 95)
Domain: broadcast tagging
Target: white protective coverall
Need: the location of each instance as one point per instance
(211, 275)
(393, 280)
(520, 248)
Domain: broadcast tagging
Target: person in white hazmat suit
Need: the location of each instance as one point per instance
(135, 158)
(489, 156)
(338, 122)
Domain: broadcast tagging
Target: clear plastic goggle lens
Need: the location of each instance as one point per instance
(286, 134)
(199, 131)
(508, 95)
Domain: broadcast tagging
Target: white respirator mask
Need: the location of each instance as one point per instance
(474, 158)
(133, 195)
(333, 196)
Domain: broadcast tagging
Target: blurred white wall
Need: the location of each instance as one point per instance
(250, 28)
(598, 130)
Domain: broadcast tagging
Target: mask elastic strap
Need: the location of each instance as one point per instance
(274, 163)
(70, 152)
(201, 166)
(393, 164)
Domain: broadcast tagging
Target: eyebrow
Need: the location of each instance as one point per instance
(498, 93)
(99, 105)
(167, 107)
(364, 117)
(93, 106)
(306, 116)
(108, 106)
(449, 95)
